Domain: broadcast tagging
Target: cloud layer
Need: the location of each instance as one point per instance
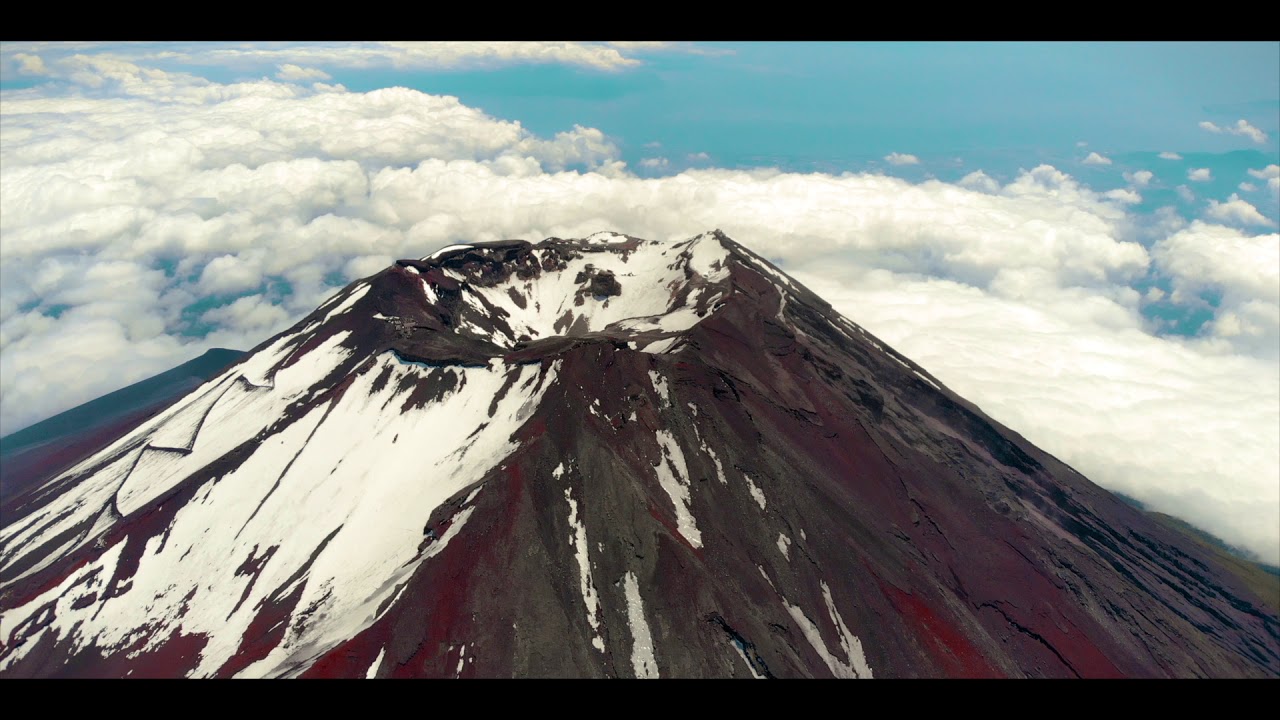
(149, 215)
(305, 57)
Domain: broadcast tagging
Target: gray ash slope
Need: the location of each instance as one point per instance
(597, 457)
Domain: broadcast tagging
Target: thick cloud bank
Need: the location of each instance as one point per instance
(146, 216)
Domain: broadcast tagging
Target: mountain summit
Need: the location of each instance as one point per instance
(603, 457)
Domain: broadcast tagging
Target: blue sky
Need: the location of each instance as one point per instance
(844, 104)
(1080, 237)
(841, 106)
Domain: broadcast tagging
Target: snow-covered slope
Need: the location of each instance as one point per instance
(332, 484)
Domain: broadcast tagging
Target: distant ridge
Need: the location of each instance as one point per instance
(32, 453)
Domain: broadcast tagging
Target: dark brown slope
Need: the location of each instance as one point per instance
(950, 545)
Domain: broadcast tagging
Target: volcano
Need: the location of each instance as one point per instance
(597, 457)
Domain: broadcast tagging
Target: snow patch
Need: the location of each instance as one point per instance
(377, 663)
(673, 475)
(763, 266)
(659, 347)
(606, 238)
(766, 577)
(642, 660)
(856, 667)
(742, 651)
(848, 641)
(922, 377)
(707, 257)
(756, 492)
(446, 249)
(359, 291)
(578, 540)
(710, 453)
(660, 386)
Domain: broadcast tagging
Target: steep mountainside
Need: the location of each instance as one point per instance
(597, 457)
(53, 445)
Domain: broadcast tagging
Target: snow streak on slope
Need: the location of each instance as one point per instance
(673, 475)
(372, 672)
(742, 653)
(856, 667)
(578, 540)
(848, 641)
(331, 507)
(642, 660)
(352, 297)
(851, 670)
(660, 385)
(756, 493)
(707, 449)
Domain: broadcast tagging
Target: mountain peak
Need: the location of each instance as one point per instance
(513, 299)
(596, 457)
(513, 293)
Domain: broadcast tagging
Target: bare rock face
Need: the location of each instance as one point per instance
(602, 457)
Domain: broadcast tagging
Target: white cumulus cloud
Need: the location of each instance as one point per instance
(1199, 175)
(1237, 212)
(1270, 173)
(1166, 155)
(1094, 158)
(1124, 195)
(1141, 178)
(895, 158)
(27, 64)
(293, 73)
(1243, 269)
(978, 180)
